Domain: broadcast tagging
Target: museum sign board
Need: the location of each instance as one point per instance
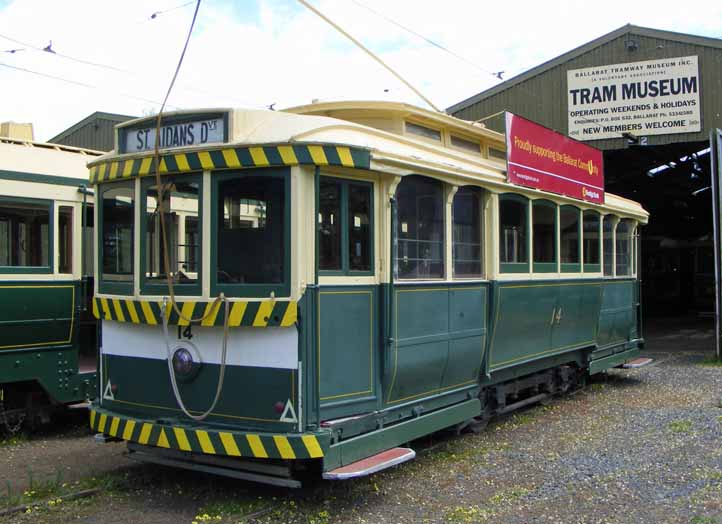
(654, 97)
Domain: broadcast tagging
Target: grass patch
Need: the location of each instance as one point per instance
(14, 440)
(467, 514)
(711, 362)
(697, 519)
(226, 508)
(508, 495)
(52, 490)
(680, 426)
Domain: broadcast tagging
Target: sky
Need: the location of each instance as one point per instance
(115, 56)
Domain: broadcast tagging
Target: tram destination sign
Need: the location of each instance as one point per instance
(544, 159)
(176, 133)
(654, 97)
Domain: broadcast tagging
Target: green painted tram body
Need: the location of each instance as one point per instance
(372, 361)
(45, 329)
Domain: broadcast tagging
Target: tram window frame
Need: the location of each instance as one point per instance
(124, 287)
(524, 265)
(48, 205)
(439, 194)
(552, 266)
(466, 192)
(570, 267)
(345, 187)
(608, 259)
(592, 267)
(252, 290)
(629, 272)
(160, 287)
(65, 238)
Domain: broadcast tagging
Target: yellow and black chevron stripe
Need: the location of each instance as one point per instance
(266, 313)
(250, 445)
(233, 158)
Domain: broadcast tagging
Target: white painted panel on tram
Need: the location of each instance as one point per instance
(271, 347)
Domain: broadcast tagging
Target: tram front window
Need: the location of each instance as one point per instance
(117, 204)
(180, 203)
(252, 237)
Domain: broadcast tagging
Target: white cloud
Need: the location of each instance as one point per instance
(243, 54)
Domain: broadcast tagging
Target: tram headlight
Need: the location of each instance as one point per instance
(183, 362)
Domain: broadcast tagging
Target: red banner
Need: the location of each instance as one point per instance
(544, 159)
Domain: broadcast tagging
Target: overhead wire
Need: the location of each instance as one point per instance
(428, 40)
(81, 84)
(370, 53)
(118, 69)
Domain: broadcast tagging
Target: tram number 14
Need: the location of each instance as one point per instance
(184, 332)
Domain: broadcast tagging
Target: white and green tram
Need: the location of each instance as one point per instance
(347, 277)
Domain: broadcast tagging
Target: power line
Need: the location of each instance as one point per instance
(429, 41)
(77, 83)
(109, 67)
(155, 14)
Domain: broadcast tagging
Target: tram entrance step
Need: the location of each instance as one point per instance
(383, 460)
(637, 363)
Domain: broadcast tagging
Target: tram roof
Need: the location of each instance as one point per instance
(377, 127)
(41, 158)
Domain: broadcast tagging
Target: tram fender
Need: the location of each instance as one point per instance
(351, 450)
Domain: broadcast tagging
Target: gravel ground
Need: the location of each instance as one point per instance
(636, 446)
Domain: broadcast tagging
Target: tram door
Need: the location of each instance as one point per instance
(347, 302)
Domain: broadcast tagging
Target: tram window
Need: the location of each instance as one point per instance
(466, 214)
(252, 239)
(329, 225)
(88, 241)
(25, 234)
(569, 235)
(544, 224)
(65, 239)
(608, 245)
(513, 220)
(359, 227)
(117, 209)
(623, 242)
(192, 245)
(181, 201)
(426, 132)
(468, 145)
(420, 228)
(344, 226)
(591, 240)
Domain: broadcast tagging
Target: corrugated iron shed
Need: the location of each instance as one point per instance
(96, 132)
(540, 94)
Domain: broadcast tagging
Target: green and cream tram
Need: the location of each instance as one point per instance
(47, 334)
(347, 277)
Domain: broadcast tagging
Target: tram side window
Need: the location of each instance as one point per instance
(117, 210)
(513, 220)
(24, 234)
(544, 224)
(591, 240)
(88, 241)
(608, 244)
(329, 225)
(570, 241)
(624, 239)
(420, 228)
(344, 226)
(180, 202)
(65, 239)
(252, 242)
(466, 214)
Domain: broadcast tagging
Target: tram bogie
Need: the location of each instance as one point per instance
(353, 288)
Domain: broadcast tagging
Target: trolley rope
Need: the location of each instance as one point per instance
(166, 262)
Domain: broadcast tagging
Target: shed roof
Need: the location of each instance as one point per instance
(98, 115)
(574, 53)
